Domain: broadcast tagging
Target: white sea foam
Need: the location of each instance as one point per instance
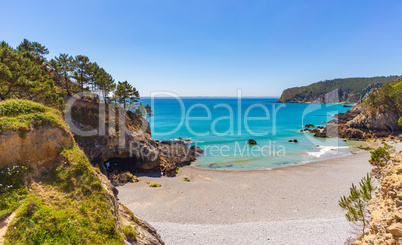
(333, 150)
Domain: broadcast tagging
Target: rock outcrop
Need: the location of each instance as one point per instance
(122, 178)
(64, 194)
(358, 129)
(376, 121)
(386, 207)
(128, 148)
(31, 133)
(39, 146)
(368, 91)
(366, 121)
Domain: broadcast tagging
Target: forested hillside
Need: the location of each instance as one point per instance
(349, 89)
(26, 73)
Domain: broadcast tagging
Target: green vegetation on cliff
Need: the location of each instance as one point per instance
(349, 89)
(386, 100)
(12, 189)
(63, 204)
(358, 200)
(23, 115)
(25, 73)
(68, 206)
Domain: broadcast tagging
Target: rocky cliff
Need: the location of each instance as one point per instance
(51, 194)
(348, 90)
(127, 148)
(386, 207)
(376, 117)
(18, 140)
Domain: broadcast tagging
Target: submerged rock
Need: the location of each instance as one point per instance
(251, 142)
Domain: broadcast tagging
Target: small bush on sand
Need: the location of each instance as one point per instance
(155, 185)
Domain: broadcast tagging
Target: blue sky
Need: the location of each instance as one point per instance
(212, 47)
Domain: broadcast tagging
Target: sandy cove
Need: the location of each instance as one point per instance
(286, 205)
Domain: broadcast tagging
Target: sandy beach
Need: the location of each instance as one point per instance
(288, 205)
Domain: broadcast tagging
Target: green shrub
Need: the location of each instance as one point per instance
(13, 108)
(12, 188)
(69, 207)
(379, 159)
(186, 179)
(24, 114)
(155, 185)
(356, 203)
(129, 232)
(400, 121)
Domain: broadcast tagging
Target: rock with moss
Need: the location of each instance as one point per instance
(122, 178)
(251, 142)
(31, 133)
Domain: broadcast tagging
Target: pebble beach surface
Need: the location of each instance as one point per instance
(286, 205)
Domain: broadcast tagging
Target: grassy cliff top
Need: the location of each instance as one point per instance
(24, 115)
(69, 203)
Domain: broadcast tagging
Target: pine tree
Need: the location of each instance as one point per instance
(104, 82)
(140, 111)
(357, 201)
(34, 51)
(81, 70)
(62, 67)
(127, 94)
(93, 69)
(121, 94)
(21, 76)
(149, 111)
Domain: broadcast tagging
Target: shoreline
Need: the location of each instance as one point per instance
(359, 150)
(295, 204)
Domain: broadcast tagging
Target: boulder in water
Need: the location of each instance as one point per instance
(251, 142)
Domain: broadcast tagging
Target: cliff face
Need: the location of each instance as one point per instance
(50, 193)
(343, 90)
(377, 121)
(41, 146)
(357, 125)
(386, 207)
(375, 117)
(130, 148)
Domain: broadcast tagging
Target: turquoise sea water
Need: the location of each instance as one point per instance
(222, 126)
